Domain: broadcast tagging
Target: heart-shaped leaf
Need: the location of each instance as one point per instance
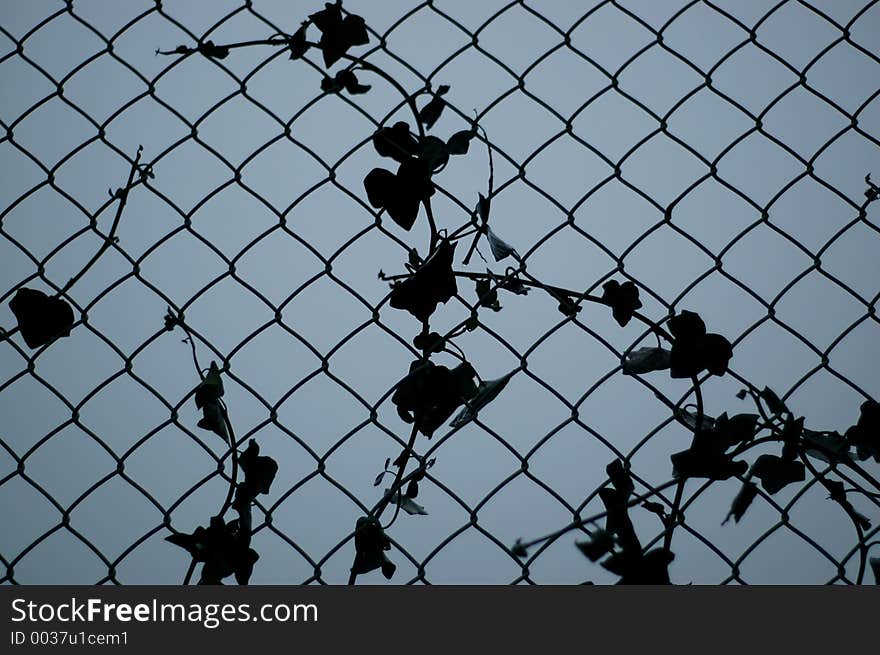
(430, 393)
(338, 34)
(400, 194)
(344, 79)
(396, 142)
(623, 300)
(694, 350)
(370, 543)
(433, 283)
(41, 318)
(775, 473)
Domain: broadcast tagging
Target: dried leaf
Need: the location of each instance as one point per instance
(406, 503)
(500, 248)
(645, 360)
(486, 393)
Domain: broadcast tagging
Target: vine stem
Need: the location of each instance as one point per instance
(679, 490)
(863, 549)
(395, 486)
(359, 62)
(555, 291)
(108, 240)
(122, 194)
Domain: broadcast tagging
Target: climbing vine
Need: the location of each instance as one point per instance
(431, 397)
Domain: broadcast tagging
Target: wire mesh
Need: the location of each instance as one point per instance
(184, 149)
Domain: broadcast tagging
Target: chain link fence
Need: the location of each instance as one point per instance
(713, 152)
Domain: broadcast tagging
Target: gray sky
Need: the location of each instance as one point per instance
(563, 174)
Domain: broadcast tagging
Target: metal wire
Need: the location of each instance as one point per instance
(750, 37)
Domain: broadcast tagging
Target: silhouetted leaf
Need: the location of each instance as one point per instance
(730, 432)
(623, 300)
(774, 404)
(567, 307)
(430, 113)
(431, 284)
(652, 568)
(209, 49)
(483, 207)
(433, 153)
(396, 142)
(222, 547)
(645, 360)
(41, 318)
(706, 464)
(207, 396)
(486, 393)
(747, 493)
(430, 393)
(838, 494)
(830, 447)
(706, 457)
(379, 477)
(407, 504)
(459, 143)
(432, 342)
(298, 44)
(212, 420)
(487, 296)
(370, 544)
(618, 473)
(210, 389)
(875, 567)
(694, 350)
(259, 472)
(597, 546)
(791, 437)
(344, 79)
(519, 550)
(500, 248)
(864, 436)
(775, 473)
(400, 194)
(412, 489)
(338, 34)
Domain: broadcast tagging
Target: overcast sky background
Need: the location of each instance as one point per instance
(188, 223)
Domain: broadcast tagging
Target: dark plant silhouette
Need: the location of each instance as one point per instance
(430, 397)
